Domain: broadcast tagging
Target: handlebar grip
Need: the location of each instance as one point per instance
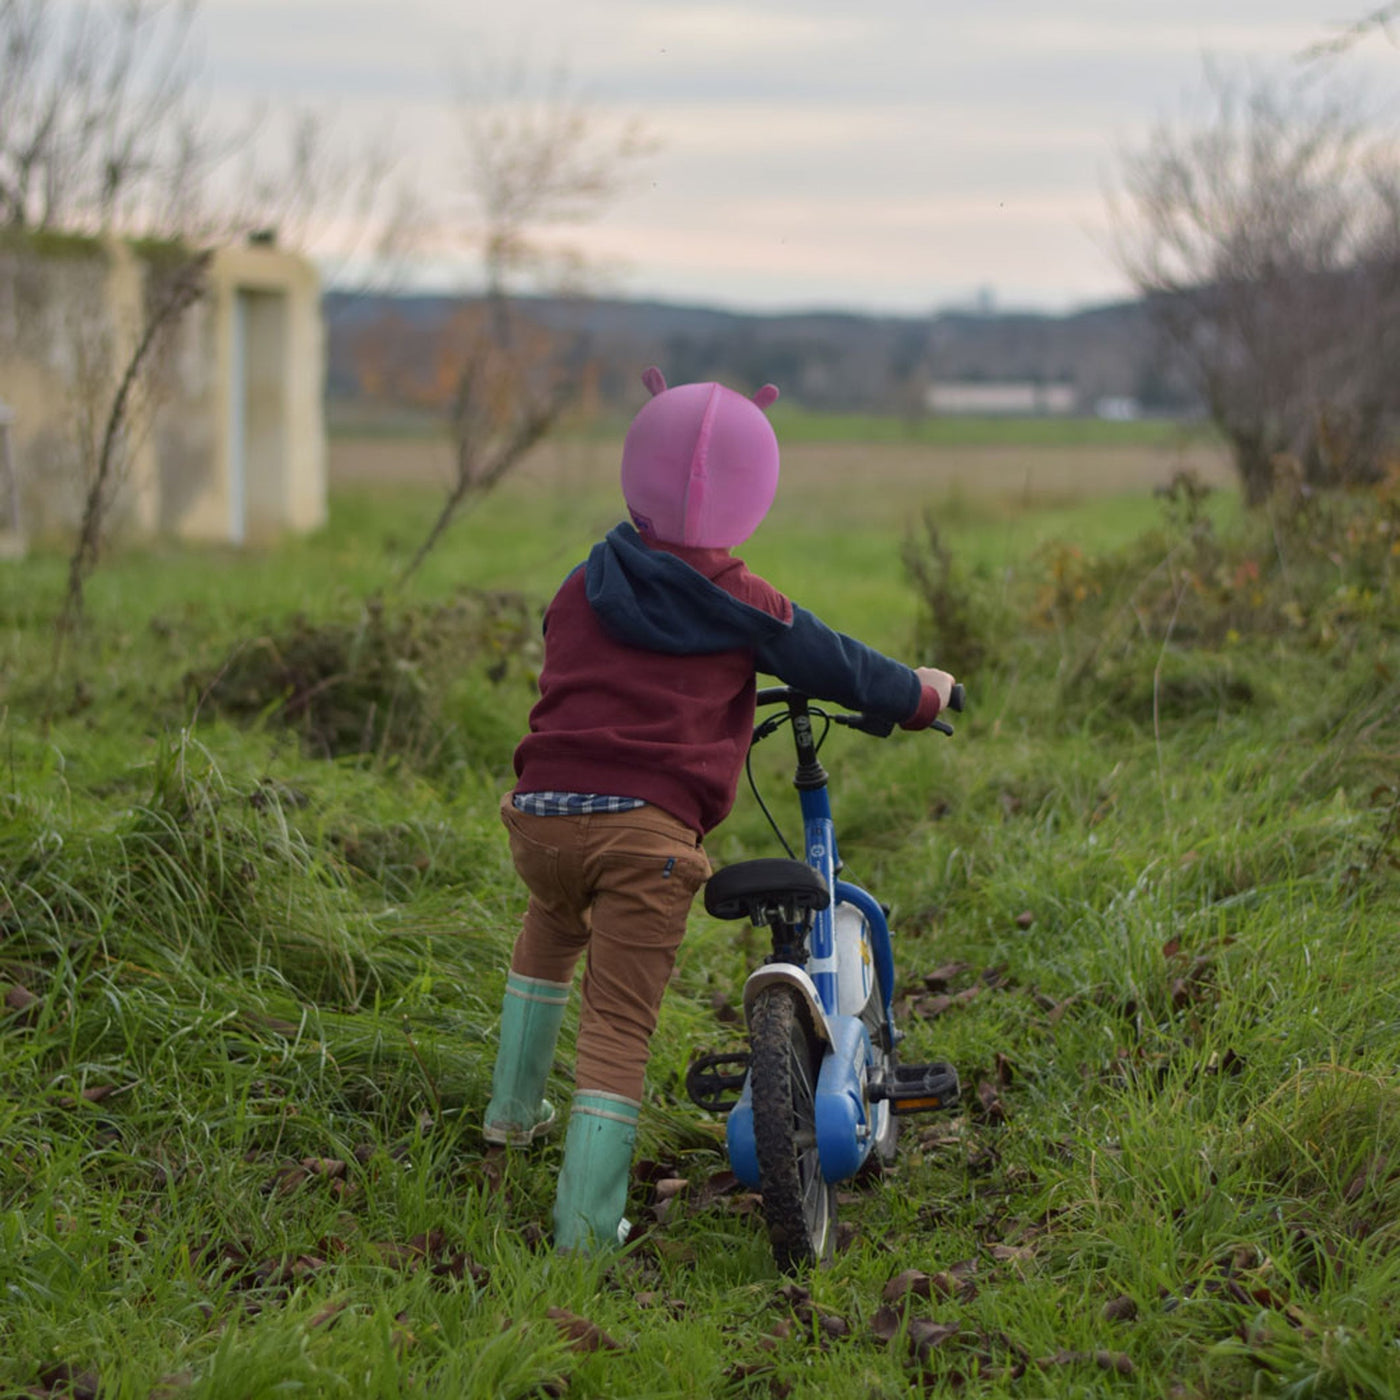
(955, 700)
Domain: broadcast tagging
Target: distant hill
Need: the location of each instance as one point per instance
(823, 360)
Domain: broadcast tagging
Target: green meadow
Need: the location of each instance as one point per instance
(256, 906)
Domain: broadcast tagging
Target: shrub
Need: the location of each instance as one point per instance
(380, 685)
(961, 616)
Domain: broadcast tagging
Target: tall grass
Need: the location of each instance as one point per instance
(1145, 900)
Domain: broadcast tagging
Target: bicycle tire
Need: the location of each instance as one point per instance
(799, 1205)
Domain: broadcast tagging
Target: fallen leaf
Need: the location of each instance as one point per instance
(491, 1172)
(286, 1179)
(1357, 1186)
(1228, 1063)
(957, 1281)
(70, 1383)
(649, 1171)
(580, 1333)
(323, 1166)
(327, 1314)
(938, 979)
(94, 1093)
(721, 1183)
(724, 1009)
(780, 1331)
(932, 1007)
(1114, 1361)
(20, 999)
(992, 1110)
(925, 1335)
(886, 1323)
(912, 1283)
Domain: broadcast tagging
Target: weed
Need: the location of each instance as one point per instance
(375, 687)
(960, 614)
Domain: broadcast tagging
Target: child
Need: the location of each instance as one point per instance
(634, 753)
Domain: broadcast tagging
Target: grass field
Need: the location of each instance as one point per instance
(251, 950)
(798, 426)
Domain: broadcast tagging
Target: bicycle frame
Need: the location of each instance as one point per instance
(834, 983)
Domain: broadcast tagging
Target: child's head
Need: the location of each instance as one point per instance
(700, 464)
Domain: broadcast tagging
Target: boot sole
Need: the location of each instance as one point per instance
(498, 1135)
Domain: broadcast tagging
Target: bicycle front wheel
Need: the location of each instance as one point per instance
(785, 1057)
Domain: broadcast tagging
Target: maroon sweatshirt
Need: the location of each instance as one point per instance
(648, 683)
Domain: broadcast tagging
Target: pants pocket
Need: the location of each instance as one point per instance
(536, 861)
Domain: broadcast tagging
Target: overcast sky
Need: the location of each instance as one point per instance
(899, 155)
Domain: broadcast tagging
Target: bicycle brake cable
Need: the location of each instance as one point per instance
(758, 797)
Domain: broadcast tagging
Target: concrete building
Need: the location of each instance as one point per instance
(225, 440)
(1000, 398)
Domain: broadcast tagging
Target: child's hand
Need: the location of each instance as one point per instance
(940, 681)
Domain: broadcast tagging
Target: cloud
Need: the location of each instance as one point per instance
(810, 149)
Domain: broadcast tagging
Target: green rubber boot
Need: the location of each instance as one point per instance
(531, 1015)
(593, 1183)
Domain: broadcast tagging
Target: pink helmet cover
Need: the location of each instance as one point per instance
(700, 463)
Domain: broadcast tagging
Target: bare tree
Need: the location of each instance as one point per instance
(1266, 237)
(97, 130)
(1381, 20)
(182, 289)
(100, 134)
(536, 157)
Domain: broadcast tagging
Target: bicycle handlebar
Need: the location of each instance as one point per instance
(866, 723)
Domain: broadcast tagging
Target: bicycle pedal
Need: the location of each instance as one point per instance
(714, 1082)
(918, 1088)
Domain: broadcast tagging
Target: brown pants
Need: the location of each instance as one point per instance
(619, 885)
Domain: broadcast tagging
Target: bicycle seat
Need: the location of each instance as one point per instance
(738, 890)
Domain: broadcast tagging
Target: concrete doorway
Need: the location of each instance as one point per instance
(258, 414)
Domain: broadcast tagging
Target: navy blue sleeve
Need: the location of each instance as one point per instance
(829, 665)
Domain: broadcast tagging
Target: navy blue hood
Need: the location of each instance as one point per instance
(651, 599)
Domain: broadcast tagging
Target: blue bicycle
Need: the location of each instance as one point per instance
(819, 1090)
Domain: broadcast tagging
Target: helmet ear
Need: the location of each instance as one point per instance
(654, 380)
(766, 396)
